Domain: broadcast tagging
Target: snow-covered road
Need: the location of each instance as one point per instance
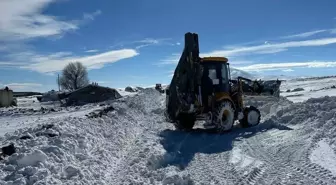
(294, 144)
(275, 152)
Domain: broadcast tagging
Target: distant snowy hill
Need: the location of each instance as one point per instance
(237, 72)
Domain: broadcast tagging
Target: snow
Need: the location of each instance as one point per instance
(122, 92)
(31, 102)
(312, 88)
(32, 158)
(241, 161)
(325, 156)
(313, 84)
(307, 95)
(133, 144)
(12, 119)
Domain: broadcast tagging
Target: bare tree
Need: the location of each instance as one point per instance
(74, 76)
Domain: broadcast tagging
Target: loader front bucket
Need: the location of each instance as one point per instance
(262, 88)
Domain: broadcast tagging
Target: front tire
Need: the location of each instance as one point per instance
(251, 117)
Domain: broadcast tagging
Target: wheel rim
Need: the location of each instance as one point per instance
(253, 118)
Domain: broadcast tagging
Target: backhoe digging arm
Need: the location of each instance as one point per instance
(183, 89)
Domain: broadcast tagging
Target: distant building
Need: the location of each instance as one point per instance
(6, 97)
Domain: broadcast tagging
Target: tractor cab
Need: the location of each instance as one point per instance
(218, 70)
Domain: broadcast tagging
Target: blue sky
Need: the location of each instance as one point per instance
(133, 42)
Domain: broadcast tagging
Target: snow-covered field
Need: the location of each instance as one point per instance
(310, 88)
(132, 144)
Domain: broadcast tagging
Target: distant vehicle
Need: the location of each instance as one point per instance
(159, 88)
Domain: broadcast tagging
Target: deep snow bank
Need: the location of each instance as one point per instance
(117, 148)
(316, 117)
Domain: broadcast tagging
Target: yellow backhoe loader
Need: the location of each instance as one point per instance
(202, 89)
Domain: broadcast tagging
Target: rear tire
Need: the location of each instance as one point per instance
(185, 122)
(251, 117)
(224, 117)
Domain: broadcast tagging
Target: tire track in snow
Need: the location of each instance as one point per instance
(263, 178)
(283, 167)
(131, 167)
(312, 168)
(118, 173)
(211, 168)
(208, 157)
(252, 177)
(216, 168)
(276, 168)
(320, 170)
(301, 162)
(221, 170)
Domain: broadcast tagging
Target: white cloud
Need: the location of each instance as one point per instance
(305, 34)
(270, 48)
(8, 64)
(92, 51)
(240, 62)
(20, 20)
(137, 44)
(174, 58)
(23, 86)
(143, 45)
(91, 16)
(24, 19)
(288, 65)
(150, 41)
(56, 62)
(170, 60)
(287, 70)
